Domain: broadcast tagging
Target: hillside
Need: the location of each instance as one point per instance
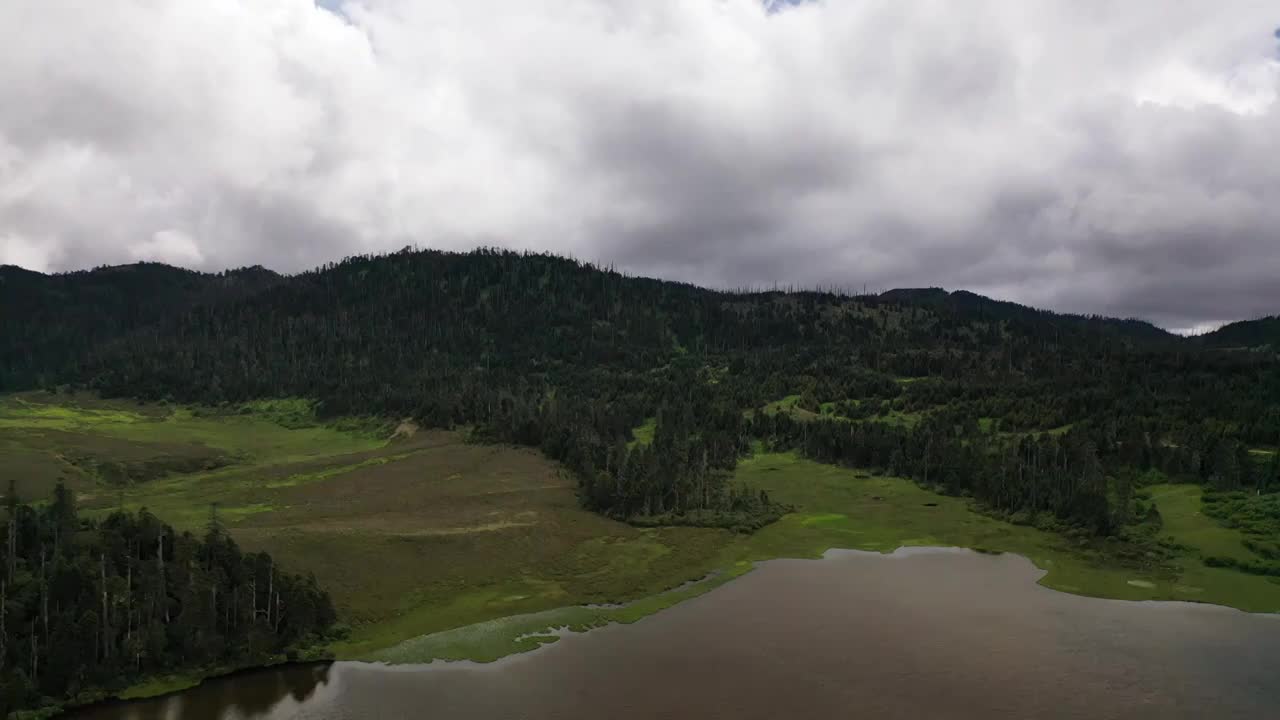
(540, 313)
(51, 321)
(1263, 332)
(545, 351)
(679, 431)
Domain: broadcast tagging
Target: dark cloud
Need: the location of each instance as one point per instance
(1084, 156)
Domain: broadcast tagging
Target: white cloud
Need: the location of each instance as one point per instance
(1088, 155)
(25, 253)
(1200, 328)
(169, 246)
(1247, 90)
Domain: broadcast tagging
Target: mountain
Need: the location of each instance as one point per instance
(544, 351)
(125, 329)
(355, 333)
(964, 306)
(1245, 334)
(52, 321)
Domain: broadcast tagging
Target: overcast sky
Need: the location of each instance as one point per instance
(1081, 155)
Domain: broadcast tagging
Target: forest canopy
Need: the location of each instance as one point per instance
(88, 606)
(649, 392)
(550, 352)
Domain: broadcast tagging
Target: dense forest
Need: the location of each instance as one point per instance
(1079, 477)
(1025, 410)
(649, 392)
(1247, 334)
(87, 606)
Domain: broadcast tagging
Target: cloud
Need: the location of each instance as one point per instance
(1077, 154)
(169, 246)
(24, 253)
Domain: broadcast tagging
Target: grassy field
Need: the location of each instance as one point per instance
(1179, 506)
(412, 535)
(95, 445)
(897, 417)
(1185, 524)
(841, 508)
(433, 547)
(849, 509)
(643, 434)
(789, 405)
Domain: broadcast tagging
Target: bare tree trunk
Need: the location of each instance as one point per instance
(102, 566)
(705, 471)
(4, 633)
(164, 595)
(44, 596)
(128, 598)
(13, 544)
(928, 449)
(271, 583)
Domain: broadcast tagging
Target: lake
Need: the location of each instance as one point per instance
(922, 633)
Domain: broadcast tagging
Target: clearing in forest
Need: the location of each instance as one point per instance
(426, 532)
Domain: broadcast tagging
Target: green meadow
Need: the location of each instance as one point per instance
(435, 547)
(97, 446)
(842, 508)
(411, 534)
(789, 405)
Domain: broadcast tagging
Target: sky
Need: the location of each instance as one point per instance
(1088, 156)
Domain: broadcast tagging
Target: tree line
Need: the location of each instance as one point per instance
(88, 606)
(569, 357)
(1029, 412)
(1085, 477)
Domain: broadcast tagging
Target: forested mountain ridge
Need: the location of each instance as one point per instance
(964, 304)
(547, 351)
(1263, 332)
(49, 320)
(649, 393)
(48, 317)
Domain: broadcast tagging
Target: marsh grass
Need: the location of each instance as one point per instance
(435, 547)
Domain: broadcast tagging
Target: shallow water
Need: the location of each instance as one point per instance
(919, 634)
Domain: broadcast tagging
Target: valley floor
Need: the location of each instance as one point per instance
(433, 547)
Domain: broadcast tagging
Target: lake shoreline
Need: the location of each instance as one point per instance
(796, 603)
(543, 636)
(555, 631)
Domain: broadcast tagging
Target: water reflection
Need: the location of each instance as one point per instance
(954, 635)
(271, 693)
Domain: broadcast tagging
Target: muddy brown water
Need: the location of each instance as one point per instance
(918, 634)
